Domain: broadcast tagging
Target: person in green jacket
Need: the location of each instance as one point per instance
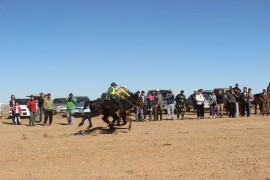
(48, 109)
(71, 101)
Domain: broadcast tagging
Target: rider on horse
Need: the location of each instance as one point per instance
(122, 91)
(113, 95)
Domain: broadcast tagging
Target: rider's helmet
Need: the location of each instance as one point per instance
(113, 84)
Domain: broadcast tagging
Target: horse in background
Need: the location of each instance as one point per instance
(257, 102)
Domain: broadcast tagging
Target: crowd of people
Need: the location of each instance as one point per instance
(237, 103)
(45, 106)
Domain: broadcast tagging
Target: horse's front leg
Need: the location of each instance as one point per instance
(85, 116)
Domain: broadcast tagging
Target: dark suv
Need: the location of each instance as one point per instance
(79, 106)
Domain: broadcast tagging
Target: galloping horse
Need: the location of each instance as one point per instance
(109, 108)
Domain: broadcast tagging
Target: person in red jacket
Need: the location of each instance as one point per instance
(32, 106)
(17, 112)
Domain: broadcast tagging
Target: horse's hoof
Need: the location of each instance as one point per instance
(80, 124)
(89, 126)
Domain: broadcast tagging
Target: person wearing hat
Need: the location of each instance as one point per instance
(48, 109)
(180, 104)
(265, 98)
(40, 106)
(71, 101)
(32, 106)
(113, 95)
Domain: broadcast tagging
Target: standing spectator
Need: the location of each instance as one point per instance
(48, 109)
(32, 106)
(251, 98)
(159, 105)
(40, 105)
(70, 108)
(145, 102)
(231, 97)
(150, 103)
(238, 102)
(220, 103)
(17, 112)
(194, 102)
(203, 103)
(180, 104)
(154, 107)
(265, 98)
(139, 110)
(213, 103)
(170, 105)
(236, 88)
(268, 88)
(200, 103)
(150, 99)
(12, 105)
(245, 102)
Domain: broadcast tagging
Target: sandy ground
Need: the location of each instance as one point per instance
(180, 149)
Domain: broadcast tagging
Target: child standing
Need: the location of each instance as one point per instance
(17, 112)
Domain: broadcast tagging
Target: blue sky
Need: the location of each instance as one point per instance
(82, 46)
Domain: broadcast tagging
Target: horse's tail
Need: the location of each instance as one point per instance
(87, 104)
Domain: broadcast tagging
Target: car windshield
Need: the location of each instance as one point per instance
(59, 100)
(22, 101)
(82, 99)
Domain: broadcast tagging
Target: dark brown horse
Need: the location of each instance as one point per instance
(257, 101)
(108, 108)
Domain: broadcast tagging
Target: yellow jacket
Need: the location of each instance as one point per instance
(122, 93)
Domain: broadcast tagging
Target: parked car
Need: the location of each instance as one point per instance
(23, 104)
(60, 106)
(79, 106)
(206, 94)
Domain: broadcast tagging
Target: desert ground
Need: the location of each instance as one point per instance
(180, 149)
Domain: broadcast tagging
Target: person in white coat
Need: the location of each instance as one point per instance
(200, 103)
